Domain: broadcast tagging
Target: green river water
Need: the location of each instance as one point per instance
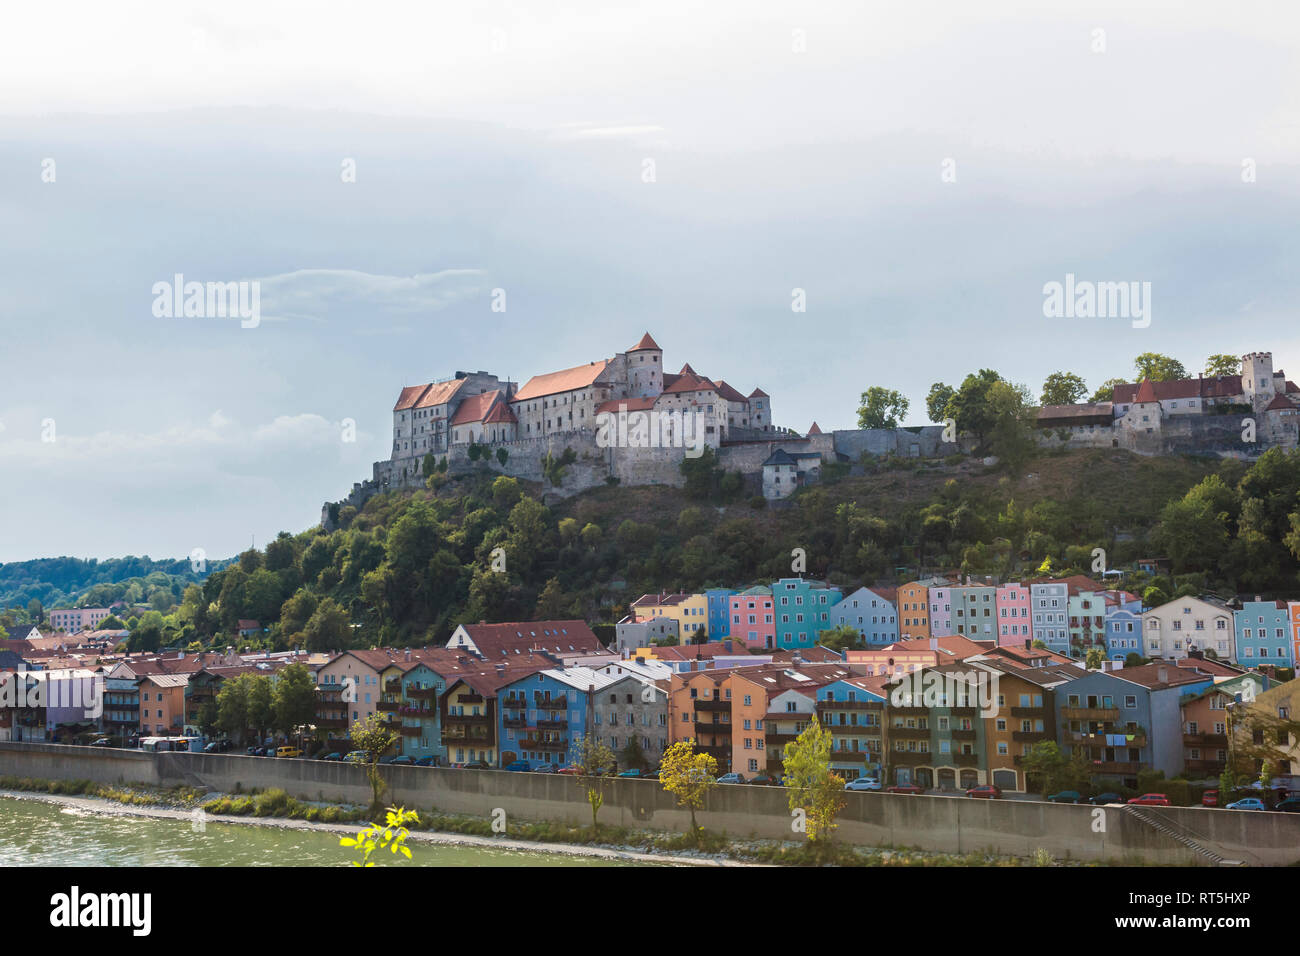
(37, 833)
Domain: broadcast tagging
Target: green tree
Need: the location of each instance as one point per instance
(842, 637)
(1158, 368)
(328, 628)
(294, 698)
(551, 602)
(594, 761)
(936, 401)
(811, 784)
(1106, 392)
(232, 707)
(881, 407)
(688, 776)
(502, 457)
(373, 737)
(1220, 365)
(1063, 388)
(1094, 658)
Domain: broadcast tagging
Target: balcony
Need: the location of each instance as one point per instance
(557, 746)
(514, 722)
(847, 705)
(410, 731)
(331, 723)
(550, 703)
(1099, 739)
(1030, 736)
(1213, 741)
(420, 693)
(721, 754)
(514, 702)
(723, 730)
(966, 760)
(964, 734)
(467, 720)
(420, 713)
(1111, 766)
(778, 741)
(387, 706)
(1030, 712)
(1103, 714)
(713, 705)
(910, 733)
(849, 756)
(392, 687)
(964, 711)
(905, 758)
(1207, 767)
(552, 725)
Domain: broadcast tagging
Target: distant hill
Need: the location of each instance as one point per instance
(63, 581)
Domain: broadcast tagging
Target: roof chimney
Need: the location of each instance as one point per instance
(934, 643)
(1162, 674)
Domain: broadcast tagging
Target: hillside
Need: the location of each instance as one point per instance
(409, 566)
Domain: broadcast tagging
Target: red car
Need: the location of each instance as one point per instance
(1151, 800)
(985, 792)
(1210, 798)
(905, 788)
(570, 770)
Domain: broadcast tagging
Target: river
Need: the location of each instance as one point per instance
(41, 833)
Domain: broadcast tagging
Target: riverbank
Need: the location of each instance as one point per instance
(275, 809)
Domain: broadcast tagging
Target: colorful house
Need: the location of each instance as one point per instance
(545, 714)
(1189, 624)
(870, 612)
(718, 601)
(1205, 723)
(753, 619)
(973, 614)
(914, 610)
(1011, 604)
(690, 611)
(1123, 632)
(802, 610)
(1050, 602)
(941, 617)
(853, 710)
(1264, 634)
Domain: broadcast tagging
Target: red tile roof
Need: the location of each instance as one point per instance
(759, 393)
(630, 404)
(1224, 386)
(690, 382)
(729, 393)
(1146, 392)
(815, 429)
(501, 413)
(440, 393)
(1280, 403)
(409, 396)
(500, 641)
(565, 380)
(646, 343)
(475, 408)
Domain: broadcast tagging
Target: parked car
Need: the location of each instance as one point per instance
(650, 775)
(732, 778)
(985, 792)
(911, 788)
(252, 751)
(211, 748)
(288, 752)
(105, 742)
(475, 765)
(763, 780)
(356, 756)
(571, 770)
(1210, 798)
(1102, 799)
(1065, 796)
(332, 755)
(1289, 805)
(1250, 803)
(405, 760)
(863, 783)
(1151, 800)
(519, 766)
(427, 761)
(630, 772)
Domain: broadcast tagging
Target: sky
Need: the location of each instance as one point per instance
(919, 170)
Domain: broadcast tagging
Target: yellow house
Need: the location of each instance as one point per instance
(690, 611)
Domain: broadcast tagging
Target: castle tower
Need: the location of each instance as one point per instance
(645, 369)
(1257, 379)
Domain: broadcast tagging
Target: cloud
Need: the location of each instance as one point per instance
(318, 294)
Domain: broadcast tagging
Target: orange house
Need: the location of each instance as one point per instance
(162, 703)
(914, 610)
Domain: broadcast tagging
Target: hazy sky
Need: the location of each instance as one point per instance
(504, 145)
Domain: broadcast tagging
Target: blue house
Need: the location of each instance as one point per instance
(803, 608)
(719, 604)
(1263, 630)
(543, 716)
(871, 612)
(854, 714)
(1123, 633)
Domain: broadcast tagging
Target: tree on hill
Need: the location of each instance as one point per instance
(936, 401)
(842, 637)
(881, 407)
(1220, 365)
(1106, 392)
(1062, 388)
(1158, 368)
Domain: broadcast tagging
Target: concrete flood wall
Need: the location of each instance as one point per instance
(938, 824)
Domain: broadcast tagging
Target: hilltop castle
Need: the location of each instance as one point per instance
(1228, 415)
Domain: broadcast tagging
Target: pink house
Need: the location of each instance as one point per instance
(941, 611)
(1012, 608)
(753, 619)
